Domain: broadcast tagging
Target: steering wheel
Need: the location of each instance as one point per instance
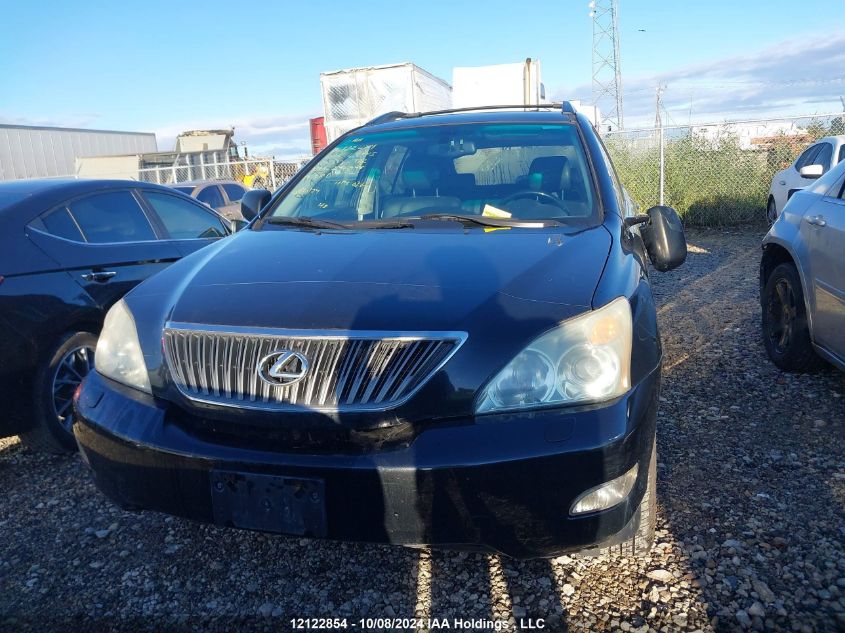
(546, 197)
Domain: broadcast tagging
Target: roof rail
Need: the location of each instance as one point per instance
(519, 106)
(564, 107)
(387, 117)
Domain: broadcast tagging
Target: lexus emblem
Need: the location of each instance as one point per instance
(282, 368)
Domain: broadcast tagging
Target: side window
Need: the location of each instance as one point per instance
(59, 223)
(235, 192)
(807, 157)
(111, 217)
(824, 156)
(624, 208)
(211, 196)
(841, 153)
(184, 220)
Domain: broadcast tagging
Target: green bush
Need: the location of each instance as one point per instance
(709, 181)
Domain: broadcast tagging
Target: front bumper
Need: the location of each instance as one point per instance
(498, 482)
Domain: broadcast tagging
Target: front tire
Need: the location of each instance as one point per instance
(786, 333)
(56, 380)
(640, 542)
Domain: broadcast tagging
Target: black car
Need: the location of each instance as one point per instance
(440, 332)
(69, 249)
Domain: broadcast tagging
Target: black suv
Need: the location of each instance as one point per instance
(440, 332)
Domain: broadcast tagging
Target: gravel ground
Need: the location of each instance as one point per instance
(751, 496)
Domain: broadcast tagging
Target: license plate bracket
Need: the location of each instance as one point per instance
(269, 503)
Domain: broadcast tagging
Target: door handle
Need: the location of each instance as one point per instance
(816, 220)
(99, 276)
(781, 182)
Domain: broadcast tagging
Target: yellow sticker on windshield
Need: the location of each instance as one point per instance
(493, 212)
(490, 229)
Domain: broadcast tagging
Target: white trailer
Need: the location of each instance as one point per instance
(354, 96)
(498, 84)
(28, 151)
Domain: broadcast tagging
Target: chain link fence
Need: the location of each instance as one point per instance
(254, 174)
(713, 174)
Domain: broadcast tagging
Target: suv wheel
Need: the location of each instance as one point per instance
(640, 542)
(786, 334)
(56, 380)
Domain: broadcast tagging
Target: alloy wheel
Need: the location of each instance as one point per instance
(71, 370)
(782, 311)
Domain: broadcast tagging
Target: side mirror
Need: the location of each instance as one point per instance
(664, 239)
(812, 171)
(237, 225)
(253, 201)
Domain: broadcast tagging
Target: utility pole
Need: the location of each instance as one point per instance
(658, 104)
(658, 123)
(607, 63)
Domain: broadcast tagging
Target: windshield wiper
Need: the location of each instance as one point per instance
(312, 223)
(485, 221)
(384, 224)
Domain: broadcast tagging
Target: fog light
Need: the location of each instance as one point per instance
(607, 494)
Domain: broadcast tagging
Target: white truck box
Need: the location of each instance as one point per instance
(354, 96)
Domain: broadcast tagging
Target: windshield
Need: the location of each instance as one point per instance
(504, 171)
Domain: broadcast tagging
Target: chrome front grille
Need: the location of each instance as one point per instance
(347, 370)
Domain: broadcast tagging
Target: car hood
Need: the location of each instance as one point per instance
(388, 280)
(502, 288)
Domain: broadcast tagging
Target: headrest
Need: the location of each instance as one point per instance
(420, 173)
(553, 172)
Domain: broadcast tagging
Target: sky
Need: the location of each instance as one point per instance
(165, 67)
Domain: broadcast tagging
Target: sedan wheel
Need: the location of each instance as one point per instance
(781, 315)
(58, 375)
(71, 370)
(786, 334)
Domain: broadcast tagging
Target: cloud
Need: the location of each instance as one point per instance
(78, 121)
(793, 77)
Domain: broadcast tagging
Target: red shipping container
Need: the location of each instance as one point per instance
(318, 134)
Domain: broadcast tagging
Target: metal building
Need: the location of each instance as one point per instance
(37, 152)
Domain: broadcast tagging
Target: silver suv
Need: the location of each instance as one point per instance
(802, 277)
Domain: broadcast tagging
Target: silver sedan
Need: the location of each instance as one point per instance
(802, 277)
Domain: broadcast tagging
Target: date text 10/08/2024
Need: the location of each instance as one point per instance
(415, 624)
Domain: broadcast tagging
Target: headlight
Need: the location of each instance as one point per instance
(585, 359)
(118, 354)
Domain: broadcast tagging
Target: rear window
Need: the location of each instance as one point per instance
(59, 223)
(111, 217)
(211, 196)
(235, 192)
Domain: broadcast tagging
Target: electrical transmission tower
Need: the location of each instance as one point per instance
(607, 65)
